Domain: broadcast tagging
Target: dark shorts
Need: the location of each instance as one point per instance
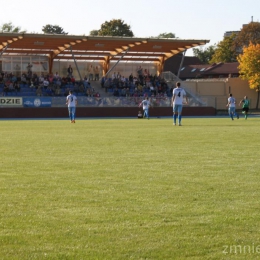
(245, 109)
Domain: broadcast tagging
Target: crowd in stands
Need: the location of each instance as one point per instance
(44, 85)
(143, 84)
(139, 85)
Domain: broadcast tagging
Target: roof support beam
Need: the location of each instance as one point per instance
(3, 50)
(60, 49)
(179, 71)
(75, 63)
(106, 65)
(118, 61)
(124, 48)
(50, 61)
(4, 45)
(161, 65)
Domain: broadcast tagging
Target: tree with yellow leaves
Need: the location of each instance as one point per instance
(249, 67)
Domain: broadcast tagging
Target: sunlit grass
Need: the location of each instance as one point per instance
(129, 189)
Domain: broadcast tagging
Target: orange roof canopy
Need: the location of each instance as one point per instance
(101, 48)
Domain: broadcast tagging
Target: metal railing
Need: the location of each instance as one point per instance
(194, 99)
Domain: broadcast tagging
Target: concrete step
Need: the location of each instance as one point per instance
(97, 86)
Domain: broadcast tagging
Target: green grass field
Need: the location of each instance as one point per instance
(130, 189)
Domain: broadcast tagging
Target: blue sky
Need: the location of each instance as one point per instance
(187, 19)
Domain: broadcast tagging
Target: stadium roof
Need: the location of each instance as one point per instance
(94, 48)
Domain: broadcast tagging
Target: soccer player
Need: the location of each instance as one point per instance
(232, 107)
(245, 107)
(72, 102)
(178, 96)
(146, 105)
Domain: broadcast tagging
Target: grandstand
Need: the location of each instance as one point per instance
(35, 55)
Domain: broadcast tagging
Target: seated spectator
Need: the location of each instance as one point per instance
(113, 76)
(89, 92)
(17, 87)
(86, 82)
(123, 92)
(32, 84)
(107, 84)
(135, 80)
(64, 81)
(23, 79)
(50, 78)
(97, 96)
(58, 92)
(72, 80)
(68, 80)
(76, 88)
(127, 93)
(10, 87)
(46, 83)
(140, 87)
(123, 81)
(14, 79)
(5, 90)
(56, 75)
(152, 89)
(118, 75)
(66, 92)
(116, 93)
(58, 82)
(81, 88)
(41, 79)
(39, 92)
(49, 91)
(159, 89)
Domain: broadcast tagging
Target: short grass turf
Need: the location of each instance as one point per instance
(130, 189)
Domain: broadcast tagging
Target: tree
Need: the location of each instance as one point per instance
(249, 33)
(115, 28)
(166, 35)
(249, 67)
(9, 27)
(53, 29)
(204, 55)
(94, 33)
(224, 51)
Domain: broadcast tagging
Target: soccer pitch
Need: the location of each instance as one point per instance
(130, 189)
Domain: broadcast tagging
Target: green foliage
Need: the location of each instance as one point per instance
(115, 27)
(249, 33)
(9, 27)
(224, 51)
(135, 194)
(166, 35)
(53, 29)
(205, 55)
(94, 33)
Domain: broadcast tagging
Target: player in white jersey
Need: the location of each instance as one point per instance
(146, 105)
(72, 102)
(178, 96)
(232, 107)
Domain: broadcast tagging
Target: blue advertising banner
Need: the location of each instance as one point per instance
(37, 102)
